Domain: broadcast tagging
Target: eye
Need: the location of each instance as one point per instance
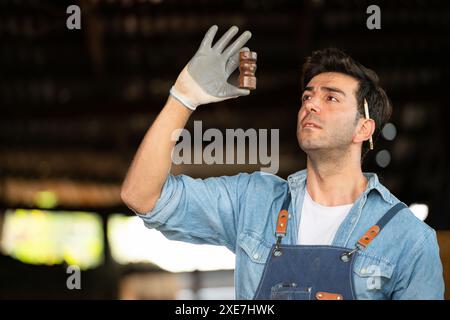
(305, 97)
(331, 98)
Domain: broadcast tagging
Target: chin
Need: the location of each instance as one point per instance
(308, 145)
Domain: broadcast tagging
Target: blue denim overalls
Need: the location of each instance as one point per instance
(297, 272)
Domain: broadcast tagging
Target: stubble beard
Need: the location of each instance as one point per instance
(328, 147)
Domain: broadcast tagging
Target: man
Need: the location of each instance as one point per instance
(341, 235)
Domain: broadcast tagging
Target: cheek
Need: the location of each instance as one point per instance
(346, 125)
(301, 113)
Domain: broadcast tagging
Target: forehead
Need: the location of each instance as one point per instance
(342, 81)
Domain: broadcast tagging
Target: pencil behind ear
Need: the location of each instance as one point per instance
(366, 111)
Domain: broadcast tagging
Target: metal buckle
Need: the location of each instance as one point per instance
(345, 257)
(277, 251)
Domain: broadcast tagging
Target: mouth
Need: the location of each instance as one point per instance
(310, 125)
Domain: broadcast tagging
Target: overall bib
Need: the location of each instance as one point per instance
(298, 272)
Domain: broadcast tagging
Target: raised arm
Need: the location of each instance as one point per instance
(203, 80)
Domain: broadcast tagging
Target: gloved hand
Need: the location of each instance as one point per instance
(204, 79)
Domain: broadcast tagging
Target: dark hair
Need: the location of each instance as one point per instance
(335, 60)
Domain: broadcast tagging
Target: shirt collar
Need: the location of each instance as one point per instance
(298, 179)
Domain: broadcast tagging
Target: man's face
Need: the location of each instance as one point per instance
(326, 119)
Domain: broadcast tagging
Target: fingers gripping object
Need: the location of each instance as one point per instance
(204, 79)
(247, 68)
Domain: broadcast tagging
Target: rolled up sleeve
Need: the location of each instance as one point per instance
(201, 211)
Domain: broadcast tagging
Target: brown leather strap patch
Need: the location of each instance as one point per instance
(320, 295)
(369, 236)
(282, 222)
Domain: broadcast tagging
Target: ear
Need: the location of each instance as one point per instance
(366, 128)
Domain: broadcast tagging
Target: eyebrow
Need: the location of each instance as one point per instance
(328, 89)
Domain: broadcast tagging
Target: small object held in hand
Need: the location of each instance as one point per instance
(247, 68)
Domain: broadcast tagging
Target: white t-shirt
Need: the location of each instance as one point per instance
(318, 223)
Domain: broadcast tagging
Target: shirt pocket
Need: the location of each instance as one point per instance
(372, 276)
(254, 247)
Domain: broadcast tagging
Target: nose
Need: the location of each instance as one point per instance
(312, 106)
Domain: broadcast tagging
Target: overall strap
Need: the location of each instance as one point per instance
(283, 216)
(375, 230)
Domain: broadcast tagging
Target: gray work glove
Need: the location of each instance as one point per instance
(204, 79)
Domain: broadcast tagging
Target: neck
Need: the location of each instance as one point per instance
(335, 180)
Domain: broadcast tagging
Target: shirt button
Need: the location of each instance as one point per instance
(255, 256)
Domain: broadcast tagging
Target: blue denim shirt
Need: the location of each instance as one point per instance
(240, 212)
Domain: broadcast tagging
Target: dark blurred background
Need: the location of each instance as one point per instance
(75, 104)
